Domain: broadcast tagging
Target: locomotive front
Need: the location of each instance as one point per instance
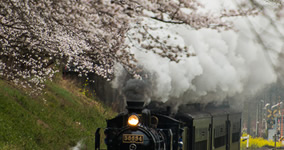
(134, 136)
(135, 129)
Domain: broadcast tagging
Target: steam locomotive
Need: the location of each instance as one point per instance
(154, 127)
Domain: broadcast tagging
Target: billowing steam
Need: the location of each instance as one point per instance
(137, 90)
(227, 65)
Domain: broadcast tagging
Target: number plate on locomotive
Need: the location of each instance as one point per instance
(132, 138)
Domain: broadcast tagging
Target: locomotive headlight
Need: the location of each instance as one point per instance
(133, 120)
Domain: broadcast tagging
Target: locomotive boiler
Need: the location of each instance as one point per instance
(154, 127)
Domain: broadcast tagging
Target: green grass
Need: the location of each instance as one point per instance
(57, 119)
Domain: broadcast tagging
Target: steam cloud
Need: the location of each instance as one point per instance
(227, 65)
(136, 90)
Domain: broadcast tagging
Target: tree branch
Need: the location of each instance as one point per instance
(173, 22)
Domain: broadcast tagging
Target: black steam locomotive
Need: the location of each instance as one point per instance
(152, 128)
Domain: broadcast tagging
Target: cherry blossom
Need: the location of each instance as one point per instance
(40, 37)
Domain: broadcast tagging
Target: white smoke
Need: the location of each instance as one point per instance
(78, 146)
(227, 63)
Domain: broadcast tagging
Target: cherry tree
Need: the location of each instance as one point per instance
(38, 37)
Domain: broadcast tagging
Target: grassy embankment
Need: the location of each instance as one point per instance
(57, 119)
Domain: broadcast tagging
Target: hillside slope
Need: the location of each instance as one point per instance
(57, 119)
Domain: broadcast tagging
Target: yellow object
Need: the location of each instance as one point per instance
(133, 120)
(257, 142)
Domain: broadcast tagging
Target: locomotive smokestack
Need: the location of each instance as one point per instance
(136, 93)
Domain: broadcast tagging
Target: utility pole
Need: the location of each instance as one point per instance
(248, 125)
(256, 120)
(275, 141)
(261, 117)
